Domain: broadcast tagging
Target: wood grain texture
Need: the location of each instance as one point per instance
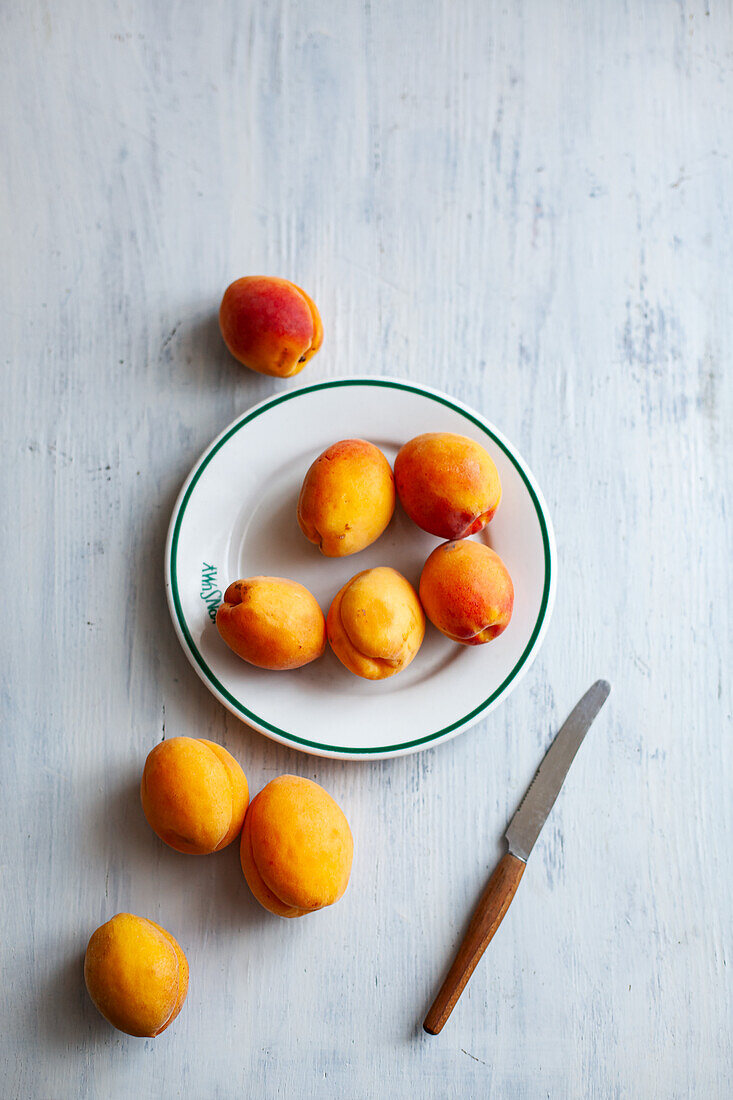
(527, 205)
(487, 916)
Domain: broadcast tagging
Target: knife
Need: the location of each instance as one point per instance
(521, 834)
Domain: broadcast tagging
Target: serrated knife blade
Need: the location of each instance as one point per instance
(526, 825)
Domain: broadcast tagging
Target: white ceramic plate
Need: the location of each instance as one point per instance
(236, 517)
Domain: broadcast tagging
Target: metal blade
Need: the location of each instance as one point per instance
(526, 825)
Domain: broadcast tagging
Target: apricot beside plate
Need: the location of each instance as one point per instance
(194, 794)
(136, 974)
(296, 847)
(270, 325)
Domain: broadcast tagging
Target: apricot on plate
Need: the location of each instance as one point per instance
(375, 624)
(270, 325)
(448, 484)
(272, 622)
(466, 591)
(136, 974)
(296, 848)
(194, 795)
(347, 498)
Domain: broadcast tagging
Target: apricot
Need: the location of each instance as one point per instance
(347, 498)
(466, 591)
(136, 974)
(447, 484)
(297, 847)
(272, 622)
(270, 325)
(375, 623)
(194, 795)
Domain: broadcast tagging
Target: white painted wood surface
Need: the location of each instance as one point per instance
(529, 206)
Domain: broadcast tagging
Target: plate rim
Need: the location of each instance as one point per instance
(269, 729)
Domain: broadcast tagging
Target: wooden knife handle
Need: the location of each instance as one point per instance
(489, 913)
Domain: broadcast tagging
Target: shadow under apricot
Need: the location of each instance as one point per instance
(66, 1017)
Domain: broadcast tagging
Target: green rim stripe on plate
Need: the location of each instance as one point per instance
(246, 419)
